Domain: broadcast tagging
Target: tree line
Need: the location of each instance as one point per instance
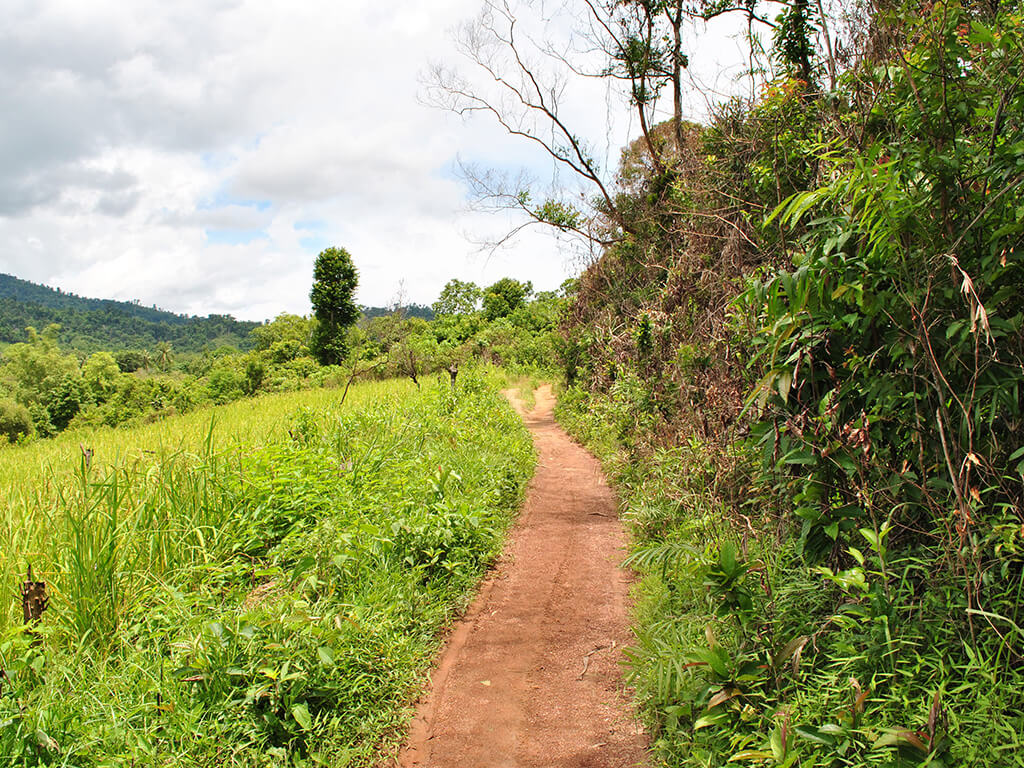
(47, 387)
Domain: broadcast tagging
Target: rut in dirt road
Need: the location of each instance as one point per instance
(532, 675)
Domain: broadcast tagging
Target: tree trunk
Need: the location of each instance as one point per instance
(677, 74)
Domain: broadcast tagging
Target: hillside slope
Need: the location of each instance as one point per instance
(802, 360)
(89, 324)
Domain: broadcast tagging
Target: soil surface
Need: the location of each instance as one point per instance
(531, 676)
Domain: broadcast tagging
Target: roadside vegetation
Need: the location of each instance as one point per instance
(46, 389)
(262, 583)
(801, 360)
(798, 349)
(248, 557)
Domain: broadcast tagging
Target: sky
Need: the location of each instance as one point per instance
(196, 155)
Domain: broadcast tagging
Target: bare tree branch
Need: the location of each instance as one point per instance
(493, 191)
(525, 99)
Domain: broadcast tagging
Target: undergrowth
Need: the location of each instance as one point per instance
(802, 364)
(748, 650)
(271, 602)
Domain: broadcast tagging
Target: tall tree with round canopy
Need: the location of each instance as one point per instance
(334, 282)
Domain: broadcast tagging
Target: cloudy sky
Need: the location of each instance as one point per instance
(198, 154)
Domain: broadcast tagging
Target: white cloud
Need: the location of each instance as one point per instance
(196, 154)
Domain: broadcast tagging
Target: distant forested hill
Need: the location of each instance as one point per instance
(412, 310)
(88, 324)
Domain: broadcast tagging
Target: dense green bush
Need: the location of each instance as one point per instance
(225, 384)
(15, 420)
(814, 411)
(894, 350)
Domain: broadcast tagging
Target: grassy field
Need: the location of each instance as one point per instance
(257, 584)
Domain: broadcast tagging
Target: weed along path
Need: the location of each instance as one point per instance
(531, 676)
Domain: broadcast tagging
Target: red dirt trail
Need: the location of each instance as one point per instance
(531, 676)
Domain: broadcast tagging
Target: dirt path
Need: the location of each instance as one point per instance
(531, 676)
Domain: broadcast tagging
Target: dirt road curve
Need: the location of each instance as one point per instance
(531, 676)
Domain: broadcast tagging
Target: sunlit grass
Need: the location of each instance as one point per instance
(36, 476)
(259, 583)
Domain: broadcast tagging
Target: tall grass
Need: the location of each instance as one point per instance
(44, 489)
(261, 583)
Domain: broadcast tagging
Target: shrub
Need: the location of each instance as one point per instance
(65, 400)
(15, 420)
(225, 385)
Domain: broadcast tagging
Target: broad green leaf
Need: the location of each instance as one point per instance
(751, 754)
(981, 35)
(723, 696)
(727, 558)
(714, 718)
(816, 735)
(798, 456)
(775, 742)
(46, 741)
(304, 564)
(896, 737)
(301, 714)
(872, 538)
(788, 650)
(783, 383)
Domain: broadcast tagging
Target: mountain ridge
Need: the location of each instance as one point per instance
(89, 324)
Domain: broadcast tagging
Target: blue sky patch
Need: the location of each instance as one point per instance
(314, 243)
(221, 199)
(234, 236)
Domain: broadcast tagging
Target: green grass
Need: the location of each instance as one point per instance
(257, 584)
(35, 475)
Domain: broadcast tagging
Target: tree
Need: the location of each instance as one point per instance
(165, 356)
(519, 75)
(417, 351)
(65, 400)
(334, 282)
(458, 298)
(642, 40)
(131, 360)
(793, 44)
(505, 297)
(286, 338)
(284, 327)
(15, 421)
(255, 373)
(226, 383)
(100, 373)
(794, 32)
(521, 83)
(33, 368)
